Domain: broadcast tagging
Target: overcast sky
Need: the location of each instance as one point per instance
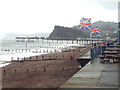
(36, 16)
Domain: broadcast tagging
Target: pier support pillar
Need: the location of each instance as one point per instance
(72, 41)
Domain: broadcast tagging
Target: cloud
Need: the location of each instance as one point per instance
(31, 16)
(107, 4)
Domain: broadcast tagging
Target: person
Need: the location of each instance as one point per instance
(108, 44)
(111, 44)
(71, 57)
(104, 44)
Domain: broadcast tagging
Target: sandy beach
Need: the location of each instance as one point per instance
(44, 71)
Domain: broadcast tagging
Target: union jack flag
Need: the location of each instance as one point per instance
(95, 30)
(85, 23)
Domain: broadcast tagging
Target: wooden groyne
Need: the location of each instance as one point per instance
(65, 54)
(41, 70)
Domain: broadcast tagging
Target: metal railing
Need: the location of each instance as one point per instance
(96, 51)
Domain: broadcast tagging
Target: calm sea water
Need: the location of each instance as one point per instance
(13, 44)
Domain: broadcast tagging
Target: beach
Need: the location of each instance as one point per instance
(45, 71)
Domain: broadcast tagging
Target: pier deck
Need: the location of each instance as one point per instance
(95, 75)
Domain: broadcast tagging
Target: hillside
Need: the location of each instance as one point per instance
(66, 33)
(108, 29)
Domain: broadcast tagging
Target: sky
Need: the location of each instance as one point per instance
(40, 16)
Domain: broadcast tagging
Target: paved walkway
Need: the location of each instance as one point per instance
(95, 75)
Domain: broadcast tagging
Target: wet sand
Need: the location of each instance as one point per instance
(51, 72)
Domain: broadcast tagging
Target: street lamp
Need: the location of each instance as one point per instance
(119, 35)
(118, 23)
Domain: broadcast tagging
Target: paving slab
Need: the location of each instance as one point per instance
(94, 75)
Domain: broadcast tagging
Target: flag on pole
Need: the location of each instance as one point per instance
(85, 23)
(95, 30)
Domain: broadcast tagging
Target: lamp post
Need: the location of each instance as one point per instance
(118, 23)
(119, 35)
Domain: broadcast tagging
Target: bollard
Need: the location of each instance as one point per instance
(27, 70)
(44, 69)
(35, 69)
(30, 58)
(4, 72)
(73, 50)
(63, 68)
(21, 61)
(36, 57)
(42, 57)
(15, 70)
(24, 58)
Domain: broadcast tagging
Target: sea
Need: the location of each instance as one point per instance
(11, 49)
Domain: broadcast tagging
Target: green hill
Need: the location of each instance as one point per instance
(108, 29)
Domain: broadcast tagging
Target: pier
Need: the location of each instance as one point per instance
(73, 41)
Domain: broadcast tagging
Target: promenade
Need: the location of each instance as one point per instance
(95, 75)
